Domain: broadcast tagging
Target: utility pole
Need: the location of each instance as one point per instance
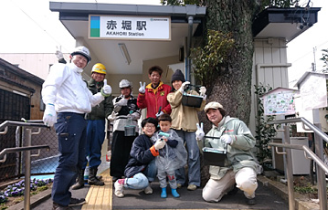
(314, 63)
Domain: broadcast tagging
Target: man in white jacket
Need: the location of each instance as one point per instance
(67, 99)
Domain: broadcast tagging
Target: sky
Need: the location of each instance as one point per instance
(28, 26)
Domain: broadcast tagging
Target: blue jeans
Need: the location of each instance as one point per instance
(71, 132)
(95, 139)
(189, 139)
(141, 180)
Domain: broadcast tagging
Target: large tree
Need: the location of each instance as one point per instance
(231, 82)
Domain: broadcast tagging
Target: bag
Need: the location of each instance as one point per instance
(191, 100)
(213, 156)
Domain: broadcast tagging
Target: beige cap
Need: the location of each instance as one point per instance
(213, 105)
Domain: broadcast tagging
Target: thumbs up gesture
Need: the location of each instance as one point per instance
(200, 132)
(106, 90)
(142, 88)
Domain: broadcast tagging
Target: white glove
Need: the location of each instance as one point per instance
(182, 88)
(226, 138)
(159, 114)
(107, 89)
(202, 91)
(134, 116)
(159, 144)
(142, 88)
(50, 115)
(59, 54)
(200, 132)
(122, 102)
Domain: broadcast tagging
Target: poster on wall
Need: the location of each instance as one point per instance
(279, 101)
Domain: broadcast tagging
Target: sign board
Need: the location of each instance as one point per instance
(279, 102)
(129, 27)
(313, 92)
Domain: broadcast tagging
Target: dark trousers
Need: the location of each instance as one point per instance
(121, 147)
(71, 132)
(95, 139)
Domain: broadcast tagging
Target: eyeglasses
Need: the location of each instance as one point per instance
(149, 126)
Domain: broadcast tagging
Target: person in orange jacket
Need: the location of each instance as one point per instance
(153, 96)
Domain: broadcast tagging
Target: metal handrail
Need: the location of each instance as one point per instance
(319, 135)
(27, 133)
(306, 149)
(4, 152)
(306, 122)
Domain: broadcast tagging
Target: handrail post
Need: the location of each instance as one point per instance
(27, 142)
(321, 184)
(289, 170)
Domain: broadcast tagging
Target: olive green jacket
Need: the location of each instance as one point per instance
(102, 110)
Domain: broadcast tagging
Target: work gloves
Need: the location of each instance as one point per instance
(183, 86)
(122, 102)
(59, 54)
(134, 116)
(106, 90)
(200, 132)
(226, 139)
(159, 144)
(159, 114)
(50, 115)
(142, 88)
(202, 92)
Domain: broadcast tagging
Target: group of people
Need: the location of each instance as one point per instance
(168, 143)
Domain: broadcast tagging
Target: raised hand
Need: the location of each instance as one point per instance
(200, 132)
(142, 88)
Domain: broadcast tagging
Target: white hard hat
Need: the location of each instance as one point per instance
(212, 105)
(125, 83)
(81, 50)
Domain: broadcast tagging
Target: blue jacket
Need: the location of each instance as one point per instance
(140, 156)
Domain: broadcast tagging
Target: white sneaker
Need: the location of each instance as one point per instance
(119, 189)
(148, 190)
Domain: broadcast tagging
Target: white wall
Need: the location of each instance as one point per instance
(269, 68)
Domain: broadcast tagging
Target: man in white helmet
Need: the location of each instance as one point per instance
(241, 166)
(67, 100)
(126, 113)
(95, 129)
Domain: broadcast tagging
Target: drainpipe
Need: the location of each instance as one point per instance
(188, 60)
(191, 12)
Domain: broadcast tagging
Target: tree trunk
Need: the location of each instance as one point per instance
(232, 86)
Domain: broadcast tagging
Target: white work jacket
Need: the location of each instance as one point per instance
(65, 88)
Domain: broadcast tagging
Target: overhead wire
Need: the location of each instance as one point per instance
(306, 54)
(39, 25)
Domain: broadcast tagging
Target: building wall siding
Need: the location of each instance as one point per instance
(268, 52)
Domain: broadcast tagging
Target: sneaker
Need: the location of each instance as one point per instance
(192, 187)
(76, 202)
(119, 189)
(148, 190)
(179, 186)
(56, 206)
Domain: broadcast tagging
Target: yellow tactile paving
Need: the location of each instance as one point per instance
(100, 197)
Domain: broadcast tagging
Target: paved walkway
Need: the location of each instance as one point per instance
(102, 197)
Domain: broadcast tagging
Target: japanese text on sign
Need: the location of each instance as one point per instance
(131, 27)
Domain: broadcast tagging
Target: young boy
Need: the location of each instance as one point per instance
(171, 157)
(141, 168)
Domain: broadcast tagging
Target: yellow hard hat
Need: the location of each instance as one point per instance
(99, 68)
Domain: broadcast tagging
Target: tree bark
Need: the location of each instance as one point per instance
(232, 86)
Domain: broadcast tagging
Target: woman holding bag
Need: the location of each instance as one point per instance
(184, 119)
